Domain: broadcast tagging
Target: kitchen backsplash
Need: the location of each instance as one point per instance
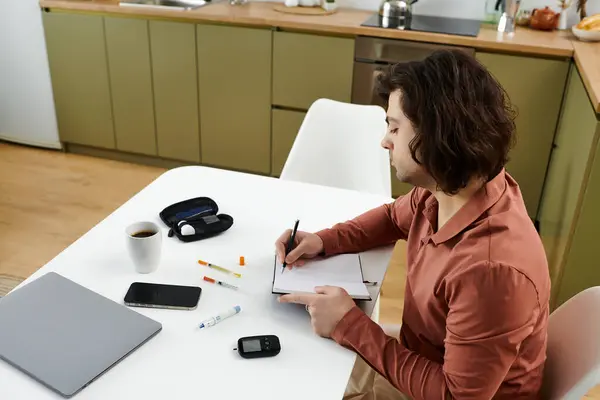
(471, 9)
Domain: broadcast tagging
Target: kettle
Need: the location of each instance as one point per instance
(398, 9)
(544, 19)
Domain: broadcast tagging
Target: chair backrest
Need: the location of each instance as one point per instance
(573, 356)
(339, 145)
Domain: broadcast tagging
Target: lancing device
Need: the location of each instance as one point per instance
(220, 317)
(187, 229)
(185, 216)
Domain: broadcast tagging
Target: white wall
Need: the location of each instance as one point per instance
(471, 9)
(26, 103)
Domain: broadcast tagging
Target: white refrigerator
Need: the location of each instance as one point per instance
(26, 104)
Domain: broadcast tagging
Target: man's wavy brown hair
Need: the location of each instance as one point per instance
(462, 117)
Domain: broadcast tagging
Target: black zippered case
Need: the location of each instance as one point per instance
(202, 213)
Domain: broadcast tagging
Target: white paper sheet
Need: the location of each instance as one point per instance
(343, 270)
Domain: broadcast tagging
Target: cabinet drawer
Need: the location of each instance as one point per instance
(308, 67)
(285, 126)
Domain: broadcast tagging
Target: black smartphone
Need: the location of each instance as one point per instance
(157, 295)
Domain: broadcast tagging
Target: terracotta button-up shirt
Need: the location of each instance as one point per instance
(476, 300)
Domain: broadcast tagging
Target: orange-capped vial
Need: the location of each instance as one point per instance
(242, 260)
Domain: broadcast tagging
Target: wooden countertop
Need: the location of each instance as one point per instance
(587, 58)
(348, 21)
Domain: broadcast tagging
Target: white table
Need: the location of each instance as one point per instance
(183, 362)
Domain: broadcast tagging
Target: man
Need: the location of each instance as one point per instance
(478, 287)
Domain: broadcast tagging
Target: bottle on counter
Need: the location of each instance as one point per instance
(493, 11)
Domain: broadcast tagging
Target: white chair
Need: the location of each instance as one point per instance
(339, 145)
(573, 356)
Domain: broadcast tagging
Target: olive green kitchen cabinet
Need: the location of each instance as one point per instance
(128, 50)
(569, 211)
(535, 86)
(234, 83)
(174, 77)
(285, 126)
(77, 59)
(398, 188)
(308, 67)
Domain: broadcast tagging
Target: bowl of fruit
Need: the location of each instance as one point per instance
(588, 29)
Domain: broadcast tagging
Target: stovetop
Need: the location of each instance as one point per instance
(426, 23)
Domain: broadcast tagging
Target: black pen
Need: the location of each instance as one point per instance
(290, 243)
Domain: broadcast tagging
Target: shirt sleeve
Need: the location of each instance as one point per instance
(492, 309)
(378, 227)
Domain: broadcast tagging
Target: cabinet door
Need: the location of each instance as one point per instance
(569, 210)
(285, 127)
(581, 267)
(567, 172)
(174, 75)
(77, 59)
(535, 86)
(128, 49)
(234, 81)
(308, 67)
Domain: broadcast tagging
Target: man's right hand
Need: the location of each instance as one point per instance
(306, 245)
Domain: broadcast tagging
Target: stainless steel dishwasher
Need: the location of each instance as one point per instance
(372, 55)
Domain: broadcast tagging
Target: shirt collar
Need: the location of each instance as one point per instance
(478, 204)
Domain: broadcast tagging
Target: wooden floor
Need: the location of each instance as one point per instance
(48, 199)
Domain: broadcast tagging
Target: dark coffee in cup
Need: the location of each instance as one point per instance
(144, 241)
(144, 234)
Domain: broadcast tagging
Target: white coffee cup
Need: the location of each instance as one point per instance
(144, 242)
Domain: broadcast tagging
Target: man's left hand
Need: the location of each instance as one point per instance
(326, 308)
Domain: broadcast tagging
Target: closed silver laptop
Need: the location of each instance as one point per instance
(65, 335)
